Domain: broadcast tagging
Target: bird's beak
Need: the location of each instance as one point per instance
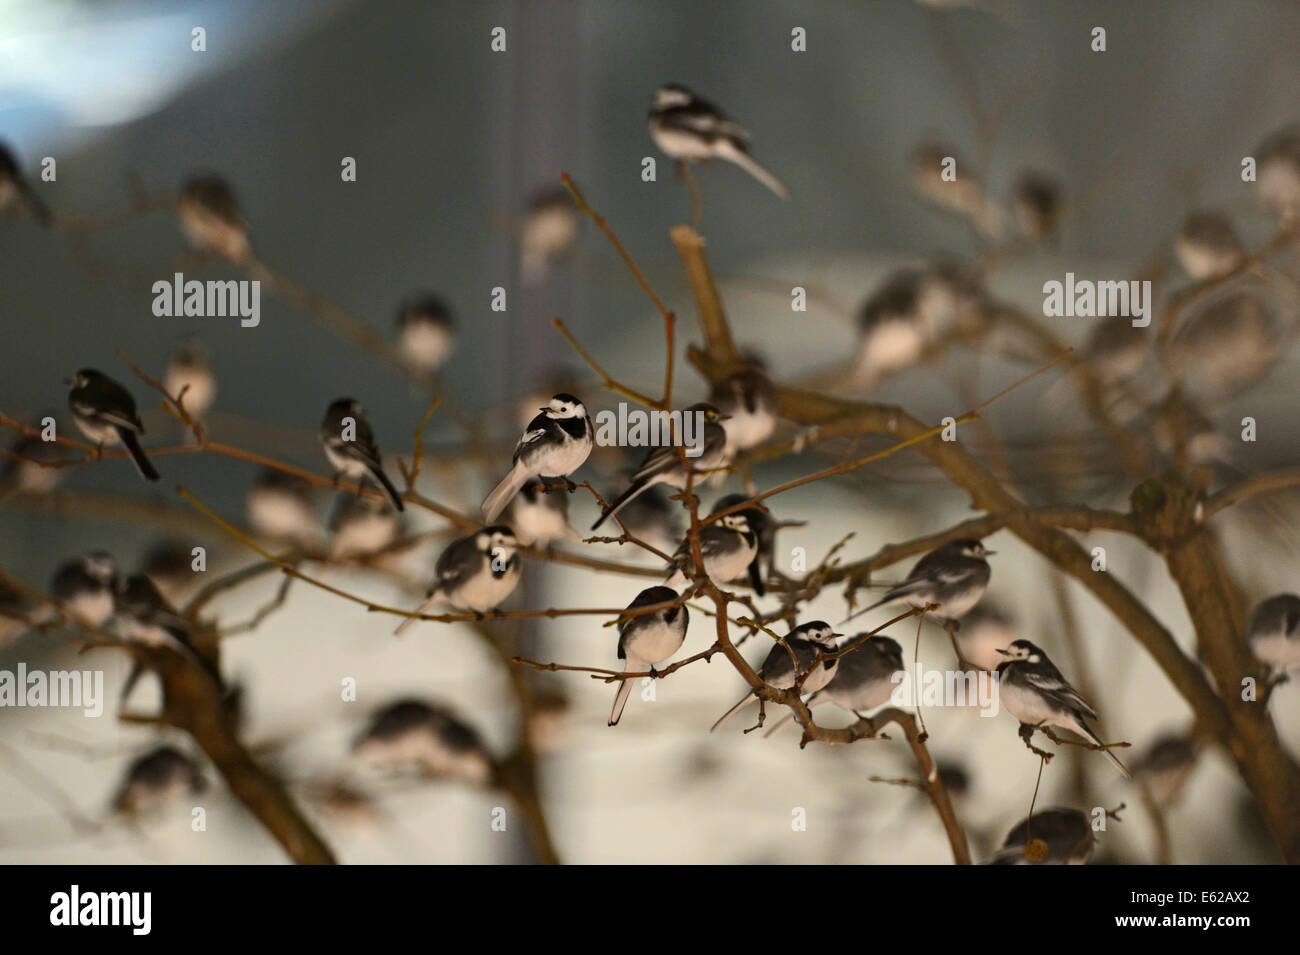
(989, 553)
(544, 408)
(837, 634)
(1005, 653)
(724, 417)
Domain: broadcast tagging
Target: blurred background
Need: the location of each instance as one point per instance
(452, 143)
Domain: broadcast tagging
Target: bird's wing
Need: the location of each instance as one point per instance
(659, 461)
(457, 563)
(1052, 685)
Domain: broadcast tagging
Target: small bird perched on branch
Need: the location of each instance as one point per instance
(426, 333)
(805, 641)
(729, 547)
(156, 778)
(663, 465)
(864, 678)
(86, 588)
(747, 401)
(547, 233)
(954, 576)
(1273, 631)
(690, 129)
(105, 413)
(191, 380)
(210, 218)
(145, 617)
(1065, 834)
(474, 573)
(540, 514)
(648, 639)
(14, 187)
(1032, 690)
(555, 444)
(350, 446)
(412, 733)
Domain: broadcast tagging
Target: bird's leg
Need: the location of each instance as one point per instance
(99, 450)
(951, 627)
(654, 674)
(1027, 735)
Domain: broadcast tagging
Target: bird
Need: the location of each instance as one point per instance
(1273, 631)
(547, 234)
(1277, 171)
(908, 314)
(169, 563)
(648, 639)
(555, 444)
(426, 332)
(31, 466)
(1032, 690)
(747, 401)
(15, 188)
(984, 631)
(1230, 341)
(1066, 835)
(361, 527)
(279, 506)
(156, 778)
(663, 465)
(104, 411)
(210, 218)
(540, 514)
(1208, 247)
(864, 679)
(1165, 766)
(190, 379)
(729, 547)
(145, 617)
(954, 576)
(411, 733)
(350, 446)
(86, 588)
(475, 573)
(1036, 205)
(690, 129)
(805, 641)
(765, 526)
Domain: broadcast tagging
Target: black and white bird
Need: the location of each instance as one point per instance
(429, 738)
(190, 377)
(210, 218)
(555, 444)
(1208, 246)
(1277, 171)
(806, 641)
(547, 234)
(648, 639)
(1273, 631)
(105, 413)
(86, 588)
(1230, 341)
(1066, 835)
(426, 332)
(765, 526)
(280, 507)
(475, 573)
(158, 777)
(865, 678)
(1031, 689)
(540, 514)
(15, 188)
(1165, 766)
(954, 576)
(691, 129)
(32, 466)
(1036, 205)
(144, 616)
(747, 401)
(952, 186)
(729, 547)
(169, 563)
(361, 527)
(350, 446)
(985, 631)
(663, 465)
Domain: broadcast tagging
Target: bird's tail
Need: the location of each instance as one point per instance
(504, 493)
(620, 698)
(746, 162)
(132, 678)
(858, 613)
(744, 702)
(394, 498)
(620, 502)
(132, 445)
(434, 597)
(1091, 737)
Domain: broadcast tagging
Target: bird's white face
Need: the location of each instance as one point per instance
(499, 545)
(101, 567)
(668, 97)
(80, 380)
(976, 550)
(1020, 650)
(823, 636)
(737, 522)
(564, 408)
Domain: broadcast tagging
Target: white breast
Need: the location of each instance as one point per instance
(483, 591)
